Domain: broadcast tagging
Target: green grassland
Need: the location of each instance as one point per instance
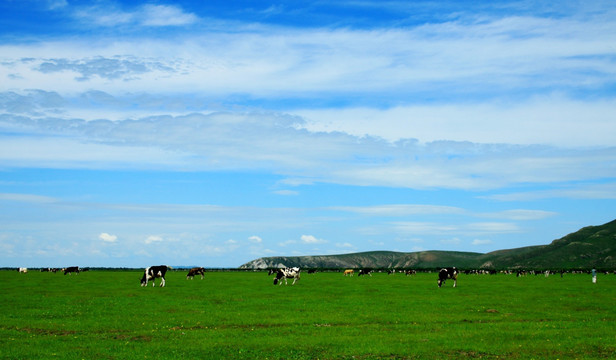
(242, 315)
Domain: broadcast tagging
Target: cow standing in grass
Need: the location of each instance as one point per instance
(153, 272)
(365, 272)
(287, 273)
(71, 269)
(195, 271)
(448, 273)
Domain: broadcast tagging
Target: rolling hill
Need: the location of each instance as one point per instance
(592, 246)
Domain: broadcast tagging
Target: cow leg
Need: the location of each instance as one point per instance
(162, 283)
(455, 282)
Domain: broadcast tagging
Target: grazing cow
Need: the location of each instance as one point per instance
(365, 272)
(153, 272)
(272, 271)
(391, 271)
(287, 273)
(71, 269)
(448, 273)
(410, 272)
(23, 270)
(195, 271)
(349, 272)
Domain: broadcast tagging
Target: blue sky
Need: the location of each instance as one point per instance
(214, 133)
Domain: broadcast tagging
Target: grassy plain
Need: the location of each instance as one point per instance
(241, 315)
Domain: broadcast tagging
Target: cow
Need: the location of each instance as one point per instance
(349, 272)
(22, 270)
(153, 272)
(365, 272)
(448, 273)
(410, 272)
(287, 273)
(195, 271)
(71, 269)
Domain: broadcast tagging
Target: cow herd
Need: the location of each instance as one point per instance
(154, 272)
(287, 273)
(151, 273)
(67, 271)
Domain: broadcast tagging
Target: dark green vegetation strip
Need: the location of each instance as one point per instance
(235, 315)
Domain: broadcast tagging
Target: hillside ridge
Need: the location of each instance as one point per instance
(589, 247)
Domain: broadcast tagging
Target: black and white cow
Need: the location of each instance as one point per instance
(153, 272)
(195, 271)
(287, 273)
(71, 269)
(448, 273)
(365, 272)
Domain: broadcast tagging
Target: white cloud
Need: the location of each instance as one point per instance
(478, 242)
(153, 239)
(286, 192)
(522, 214)
(105, 237)
(546, 120)
(56, 4)
(452, 241)
(309, 239)
(145, 15)
(166, 15)
(575, 191)
(442, 228)
(255, 239)
(416, 227)
(446, 60)
(345, 245)
(30, 198)
(400, 209)
(493, 227)
(273, 142)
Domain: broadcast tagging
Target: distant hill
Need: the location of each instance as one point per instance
(592, 246)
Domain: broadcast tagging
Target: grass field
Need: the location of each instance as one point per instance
(241, 315)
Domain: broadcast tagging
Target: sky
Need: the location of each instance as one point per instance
(213, 133)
